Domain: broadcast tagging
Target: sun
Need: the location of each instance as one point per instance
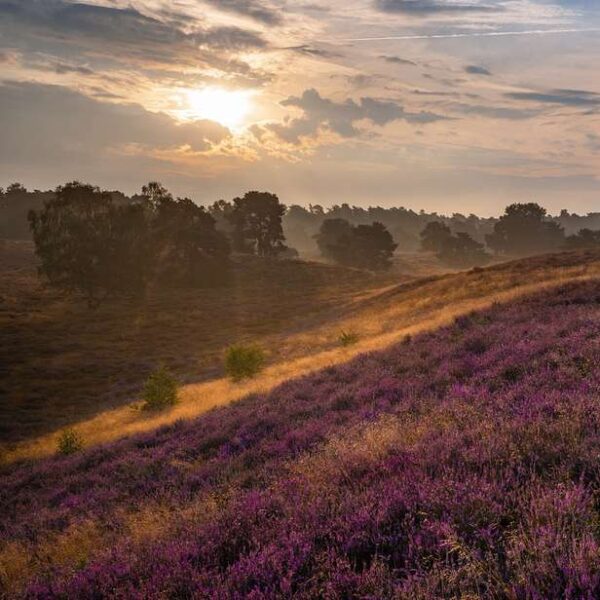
(227, 107)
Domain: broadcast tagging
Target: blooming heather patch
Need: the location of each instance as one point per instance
(462, 463)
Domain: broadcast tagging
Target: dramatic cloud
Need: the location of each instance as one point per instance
(341, 117)
(52, 124)
(117, 34)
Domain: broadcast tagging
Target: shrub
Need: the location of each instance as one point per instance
(69, 442)
(348, 338)
(160, 390)
(243, 361)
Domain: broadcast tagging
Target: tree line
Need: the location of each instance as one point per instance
(102, 243)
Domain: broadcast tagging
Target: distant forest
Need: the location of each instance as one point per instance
(302, 224)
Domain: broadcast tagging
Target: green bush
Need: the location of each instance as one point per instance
(160, 390)
(69, 442)
(348, 338)
(243, 361)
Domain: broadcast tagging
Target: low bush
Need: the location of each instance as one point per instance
(160, 390)
(243, 362)
(69, 442)
(348, 338)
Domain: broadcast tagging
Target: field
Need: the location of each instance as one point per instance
(66, 365)
(62, 362)
(461, 462)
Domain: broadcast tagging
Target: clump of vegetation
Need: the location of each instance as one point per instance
(69, 442)
(160, 390)
(348, 338)
(242, 362)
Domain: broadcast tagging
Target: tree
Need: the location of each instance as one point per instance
(334, 239)
(523, 230)
(434, 236)
(461, 250)
(585, 238)
(89, 245)
(191, 250)
(256, 220)
(155, 193)
(373, 246)
(363, 246)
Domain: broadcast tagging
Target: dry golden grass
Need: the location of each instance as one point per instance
(380, 319)
(61, 363)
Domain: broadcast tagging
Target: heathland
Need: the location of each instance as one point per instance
(461, 462)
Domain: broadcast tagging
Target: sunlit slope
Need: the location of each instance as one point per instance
(380, 318)
(458, 463)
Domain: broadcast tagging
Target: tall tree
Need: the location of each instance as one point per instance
(256, 219)
(334, 240)
(363, 246)
(523, 230)
(89, 245)
(435, 236)
(191, 249)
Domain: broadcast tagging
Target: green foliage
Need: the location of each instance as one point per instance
(160, 390)
(69, 442)
(101, 244)
(363, 246)
(348, 338)
(525, 229)
(243, 362)
(89, 244)
(256, 220)
(458, 250)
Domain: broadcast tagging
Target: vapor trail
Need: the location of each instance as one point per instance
(445, 36)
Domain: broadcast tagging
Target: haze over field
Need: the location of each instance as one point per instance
(443, 105)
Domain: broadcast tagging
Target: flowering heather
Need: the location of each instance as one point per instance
(462, 463)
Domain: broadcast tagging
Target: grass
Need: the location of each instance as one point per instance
(308, 343)
(420, 471)
(61, 363)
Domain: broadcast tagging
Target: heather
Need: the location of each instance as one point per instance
(461, 463)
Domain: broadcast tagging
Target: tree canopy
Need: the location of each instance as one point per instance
(363, 246)
(524, 230)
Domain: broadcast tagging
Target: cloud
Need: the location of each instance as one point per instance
(477, 70)
(116, 34)
(312, 51)
(424, 8)
(493, 112)
(249, 8)
(341, 117)
(397, 60)
(576, 98)
(55, 125)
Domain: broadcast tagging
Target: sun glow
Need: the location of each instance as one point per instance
(229, 108)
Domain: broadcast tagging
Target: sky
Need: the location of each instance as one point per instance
(442, 105)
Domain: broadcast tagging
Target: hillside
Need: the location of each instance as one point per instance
(458, 463)
(297, 317)
(62, 362)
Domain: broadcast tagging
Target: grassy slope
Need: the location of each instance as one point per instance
(62, 363)
(299, 342)
(461, 463)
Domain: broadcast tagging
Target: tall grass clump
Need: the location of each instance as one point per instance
(243, 362)
(160, 390)
(69, 442)
(348, 338)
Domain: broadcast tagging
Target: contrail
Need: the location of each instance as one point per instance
(446, 36)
